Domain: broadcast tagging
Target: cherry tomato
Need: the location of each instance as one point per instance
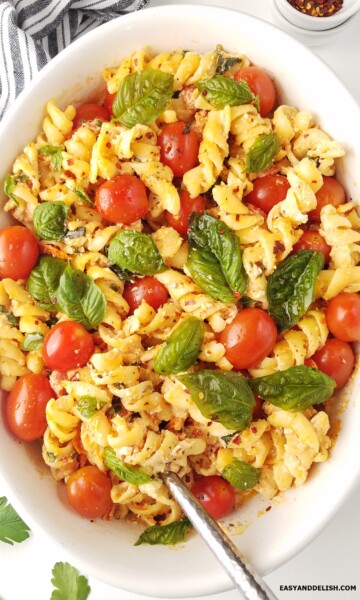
(249, 338)
(67, 346)
(88, 492)
(19, 252)
(148, 289)
(336, 359)
(122, 199)
(312, 240)
(89, 112)
(25, 407)
(108, 104)
(343, 317)
(268, 191)
(179, 147)
(309, 362)
(261, 85)
(331, 192)
(215, 494)
(188, 205)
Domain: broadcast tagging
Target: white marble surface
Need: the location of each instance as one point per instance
(330, 560)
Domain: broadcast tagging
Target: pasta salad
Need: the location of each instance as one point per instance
(181, 293)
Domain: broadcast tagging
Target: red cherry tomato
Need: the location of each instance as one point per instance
(268, 191)
(336, 359)
(249, 338)
(19, 252)
(188, 205)
(122, 199)
(148, 289)
(312, 240)
(89, 112)
(331, 192)
(88, 492)
(261, 85)
(108, 104)
(309, 362)
(215, 494)
(25, 407)
(67, 346)
(343, 317)
(179, 147)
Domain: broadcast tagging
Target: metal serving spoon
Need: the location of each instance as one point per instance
(248, 582)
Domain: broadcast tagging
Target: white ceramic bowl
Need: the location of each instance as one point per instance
(349, 8)
(105, 549)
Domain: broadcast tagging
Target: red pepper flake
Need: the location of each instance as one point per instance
(254, 430)
(237, 440)
(319, 8)
(268, 508)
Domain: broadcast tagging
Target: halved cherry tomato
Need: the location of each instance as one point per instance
(67, 346)
(88, 492)
(261, 85)
(331, 192)
(89, 112)
(336, 359)
(25, 407)
(145, 288)
(268, 191)
(188, 205)
(179, 147)
(312, 240)
(215, 494)
(19, 252)
(343, 317)
(249, 338)
(122, 199)
(108, 104)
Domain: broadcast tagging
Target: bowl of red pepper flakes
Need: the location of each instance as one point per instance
(317, 15)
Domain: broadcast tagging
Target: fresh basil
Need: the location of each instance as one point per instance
(214, 258)
(170, 534)
(294, 389)
(50, 220)
(221, 91)
(55, 153)
(135, 252)
(262, 153)
(126, 472)
(181, 349)
(83, 195)
(224, 397)
(10, 183)
(32, 341)
(10, 317)
(142, 97)
(76, 233)
(240, 474)
(89, 405)
(224, 63)
(44, 280)
(80, 298)
(290, 288)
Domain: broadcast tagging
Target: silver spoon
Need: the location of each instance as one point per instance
(248, 582)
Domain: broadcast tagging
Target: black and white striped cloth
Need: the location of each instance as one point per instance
(34, 31)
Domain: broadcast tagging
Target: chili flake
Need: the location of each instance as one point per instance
(319, 8)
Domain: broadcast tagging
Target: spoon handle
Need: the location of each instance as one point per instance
(245, 578)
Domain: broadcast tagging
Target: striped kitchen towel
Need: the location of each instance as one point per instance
(34, 31)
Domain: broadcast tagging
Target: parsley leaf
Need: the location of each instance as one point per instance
(12, 527)
(68, 583)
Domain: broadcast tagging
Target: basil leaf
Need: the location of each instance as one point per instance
(135, 252)
(240, 474)
(225, 63)
(221, 91)
(142, 97)
(205, 271)
(262, 153)
(89, 405)
(294, 389)
(80, 298)
(290, 289)
(76, 233)
(49, 220)
(173, 533)
(32, 341)
(55, 153)
(83, 196)
(10, 317)
(181, 349)
(10, 183)
(223, 397)
(126, 472)
(44, 281)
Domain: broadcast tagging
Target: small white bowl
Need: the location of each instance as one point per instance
(349, 8)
